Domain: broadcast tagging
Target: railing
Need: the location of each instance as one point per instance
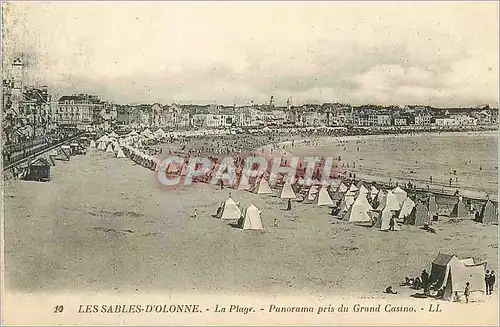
(19, 153)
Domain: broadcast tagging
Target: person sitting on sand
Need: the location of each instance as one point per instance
(195, 213)
(389, 290)
(275, 223)
(408, 282)
(456, 298)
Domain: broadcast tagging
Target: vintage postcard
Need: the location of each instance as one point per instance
(249, 163)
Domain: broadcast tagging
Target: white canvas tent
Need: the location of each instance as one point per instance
(287, 192)
(359, 211)
(262, 187)
(92, 144)
(400, 195)
(353, 188)
(311, 194)
(120, 154)
(391, 201)
(342, 188)
(363, 189)
(458, 274)
(384, 221)
(252, 219)
(323, 198)
(229, 210)
(406, 208)
(109, 148)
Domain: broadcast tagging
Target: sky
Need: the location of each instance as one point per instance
(443, 54)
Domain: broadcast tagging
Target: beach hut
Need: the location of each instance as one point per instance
(228, 210)
(64, 153)
(400, 195)
(418, 216)
(262, 187)
(323, 198)
(489, 213)
(458, 210)
(432, 205)
(38, 170)
(406, 208)
(252, 219)
(287, 192)
(359, 211)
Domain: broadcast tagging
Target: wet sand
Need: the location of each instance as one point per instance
(105, 224)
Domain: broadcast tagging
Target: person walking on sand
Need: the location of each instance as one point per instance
(487, 281)
(492, 281)
(391, 224)
(467, 292)
(289, 205)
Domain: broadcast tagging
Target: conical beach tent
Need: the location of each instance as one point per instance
(252, 218)
(342, 188)
(323, 198)
(458, 210)
(400, 195)
(229, 210)
(419, 215)
(92, 144)
(432, 205)
(311, 194)
(406, 208)
(120, 154)
(109, 148)
(262, 187)
(353, 188)
(363, 190)
(287, 192)
(359, 211)
(489, 213)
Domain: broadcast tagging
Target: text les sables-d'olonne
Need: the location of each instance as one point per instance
(241, 309)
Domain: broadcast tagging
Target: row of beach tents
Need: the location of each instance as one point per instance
(359, 203)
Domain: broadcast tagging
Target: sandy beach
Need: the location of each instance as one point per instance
(104, 223)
